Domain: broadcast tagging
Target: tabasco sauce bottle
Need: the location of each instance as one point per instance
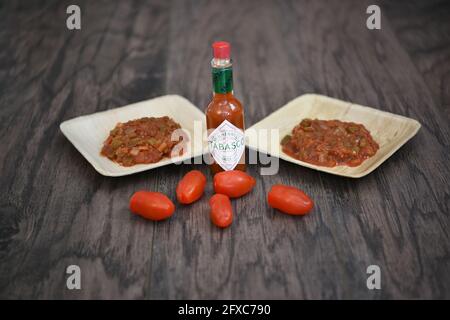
(225, 115)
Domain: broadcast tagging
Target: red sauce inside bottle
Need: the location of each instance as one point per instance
(224, 105)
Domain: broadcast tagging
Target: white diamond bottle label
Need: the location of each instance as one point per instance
(226, 145)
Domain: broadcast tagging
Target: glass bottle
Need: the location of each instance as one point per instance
(225, 115)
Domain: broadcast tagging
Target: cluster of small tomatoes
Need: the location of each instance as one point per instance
(227, 184)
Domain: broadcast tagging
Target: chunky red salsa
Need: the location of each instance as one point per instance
(145, 140)
(330, 143)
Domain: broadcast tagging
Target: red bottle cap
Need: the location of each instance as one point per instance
(221, 50)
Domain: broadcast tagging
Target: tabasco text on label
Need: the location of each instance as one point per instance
(225, 115)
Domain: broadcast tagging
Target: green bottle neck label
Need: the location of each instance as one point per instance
(222, 79)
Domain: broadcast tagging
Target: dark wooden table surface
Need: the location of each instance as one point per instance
(56, 210)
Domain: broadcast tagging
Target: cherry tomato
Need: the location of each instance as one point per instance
(151, 205)
(221, 210)
(191, 187)
(289, 200)
(234, 183)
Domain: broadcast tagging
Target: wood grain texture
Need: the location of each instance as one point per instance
(422, 29)
(55, 210)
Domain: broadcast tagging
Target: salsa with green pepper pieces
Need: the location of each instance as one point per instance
(144, 140)
(330, 143)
